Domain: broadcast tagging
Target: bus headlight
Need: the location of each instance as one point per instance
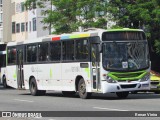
(110, 80)
(145, 78)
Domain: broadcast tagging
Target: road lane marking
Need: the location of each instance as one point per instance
(23, 100)
(109, 109)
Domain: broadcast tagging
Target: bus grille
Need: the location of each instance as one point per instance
(154, 82)
(127, 75)
(128, 86)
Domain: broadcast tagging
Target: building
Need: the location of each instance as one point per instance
(8, 10)
(35, 25)
(21, 24)
(19, 21)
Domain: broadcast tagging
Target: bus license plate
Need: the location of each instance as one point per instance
(153, 86)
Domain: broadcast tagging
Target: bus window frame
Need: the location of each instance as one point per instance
(88, 44)
(54, 61)
(7, 56)
(47, 59)
(35, 62)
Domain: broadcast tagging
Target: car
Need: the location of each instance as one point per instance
(155, 82)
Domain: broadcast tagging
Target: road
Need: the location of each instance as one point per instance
(21, 100)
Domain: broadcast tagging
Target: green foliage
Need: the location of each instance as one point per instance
(157, 45)
(144, 14)
(68, 15)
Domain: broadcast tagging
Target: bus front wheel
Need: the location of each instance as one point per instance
(82, 90)
(34, 90)
(122, 95)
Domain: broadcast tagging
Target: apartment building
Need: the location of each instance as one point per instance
(35, 25)
(21, 24)
(19, 21)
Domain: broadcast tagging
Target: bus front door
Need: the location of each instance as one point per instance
(20, 75)
(95, 58)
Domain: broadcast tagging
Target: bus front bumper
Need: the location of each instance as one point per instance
(124, 86)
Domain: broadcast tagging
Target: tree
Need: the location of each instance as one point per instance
(144, 14)
(68, 15)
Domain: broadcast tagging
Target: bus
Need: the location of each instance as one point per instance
(94, 61)
(2, 57)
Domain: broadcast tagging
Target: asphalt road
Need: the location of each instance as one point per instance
(21, 100)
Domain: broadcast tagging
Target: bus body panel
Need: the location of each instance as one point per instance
(69, 73)
(56, 76)
(11, 77)
(30, 71)
(49, 74)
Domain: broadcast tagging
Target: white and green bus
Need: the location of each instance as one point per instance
(95, 61)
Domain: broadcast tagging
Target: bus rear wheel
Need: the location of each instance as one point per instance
(34, 90)
(82, 90)
(122, 95)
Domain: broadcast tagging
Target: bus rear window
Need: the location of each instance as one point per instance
(123, 35)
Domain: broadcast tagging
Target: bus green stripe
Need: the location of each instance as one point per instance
(130, 75)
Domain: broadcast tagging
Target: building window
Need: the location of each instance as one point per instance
(1, 8)
(17, 27)
(34, 5)
(1, 17)
(1, 33)
(18, 7)
(34, 24)
(22, 27)
(13, 27)
(1, 2)
(22, 7)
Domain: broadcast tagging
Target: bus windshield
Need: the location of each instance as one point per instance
(125, 56)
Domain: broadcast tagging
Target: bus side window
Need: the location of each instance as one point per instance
(12, 55)
(55, 51)
(31, 53)
(68, 50)
(81, 49)
(43, 52)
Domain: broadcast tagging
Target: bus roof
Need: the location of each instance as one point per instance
(74, 35)
(123, 29)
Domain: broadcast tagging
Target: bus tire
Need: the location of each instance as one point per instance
(122, 95)
(68, 93)
(82, 90)
(34, 90)
(4, 82)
